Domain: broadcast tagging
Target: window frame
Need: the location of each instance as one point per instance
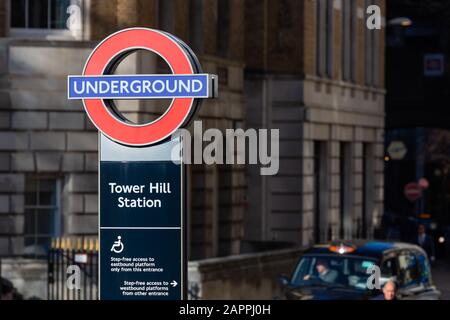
(371, 52)
(166, 15)
(421, 268)
(320, 45)
(349, 39)
(223, 28)
(196, 26)
(324, 26)
(346, 164)
(35, 208)
(49, 33)
(329, 39)
(395, 267)
(311, 261)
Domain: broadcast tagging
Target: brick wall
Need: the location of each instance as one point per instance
(309, 36)
(283, 43)
(103, 18)
(281, 37)
(218, 191)
(382, 48)
(360, 60)
(107, 17)
(273, 36)
(255, 48)
(182, 19)
(337, 42)
(237, 30)
(278, 39)
(43, 133)
(245, 277)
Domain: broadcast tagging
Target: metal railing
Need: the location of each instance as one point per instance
(83, 253)
(73, 269)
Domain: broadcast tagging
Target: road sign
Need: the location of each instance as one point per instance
(413, 191)
(141, 178)
(104, 60)
(140, 86)
(142, 245)
(397, 150)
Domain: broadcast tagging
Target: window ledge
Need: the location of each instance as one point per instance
(45, 34)
(345, 84)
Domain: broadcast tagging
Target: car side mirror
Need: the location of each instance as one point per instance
(283, 280)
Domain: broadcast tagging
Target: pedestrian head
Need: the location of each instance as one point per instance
(7, 290)
(421, 228)
(389, 290)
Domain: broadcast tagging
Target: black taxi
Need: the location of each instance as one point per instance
(342, 271)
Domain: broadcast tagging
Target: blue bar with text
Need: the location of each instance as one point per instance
(139, 86)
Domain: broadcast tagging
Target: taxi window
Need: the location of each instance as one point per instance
(388, 268)
(424, 275)
(408, 272)
(334, 270)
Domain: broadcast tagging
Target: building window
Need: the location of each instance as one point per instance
(46, 18)
(371, 48)
(321, 228)
(368, 189)
(320, 58)
(349, 20)
(329, 37)
(42, 219)
(196, 25)
(408, 271)
(324, 37)
(223, 28)
(345, 187)
(389, 268)
(166, 15)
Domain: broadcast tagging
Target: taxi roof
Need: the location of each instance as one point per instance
(365, 248)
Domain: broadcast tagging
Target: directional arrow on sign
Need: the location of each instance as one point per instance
(174, 283)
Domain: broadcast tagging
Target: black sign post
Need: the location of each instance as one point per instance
(141, 226)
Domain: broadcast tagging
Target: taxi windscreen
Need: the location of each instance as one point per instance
(333, 271)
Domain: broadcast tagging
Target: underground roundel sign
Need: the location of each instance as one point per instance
(98, 86)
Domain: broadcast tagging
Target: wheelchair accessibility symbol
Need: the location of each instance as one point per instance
(117, 247)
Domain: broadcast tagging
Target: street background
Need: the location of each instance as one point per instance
(357, 88)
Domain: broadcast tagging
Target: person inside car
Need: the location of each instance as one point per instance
(324, 272)
(7, 290)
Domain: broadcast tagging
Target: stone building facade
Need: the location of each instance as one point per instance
(315, 71)
(310, 68)
(48, 147)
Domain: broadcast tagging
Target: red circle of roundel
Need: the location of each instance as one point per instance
(168, 123)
